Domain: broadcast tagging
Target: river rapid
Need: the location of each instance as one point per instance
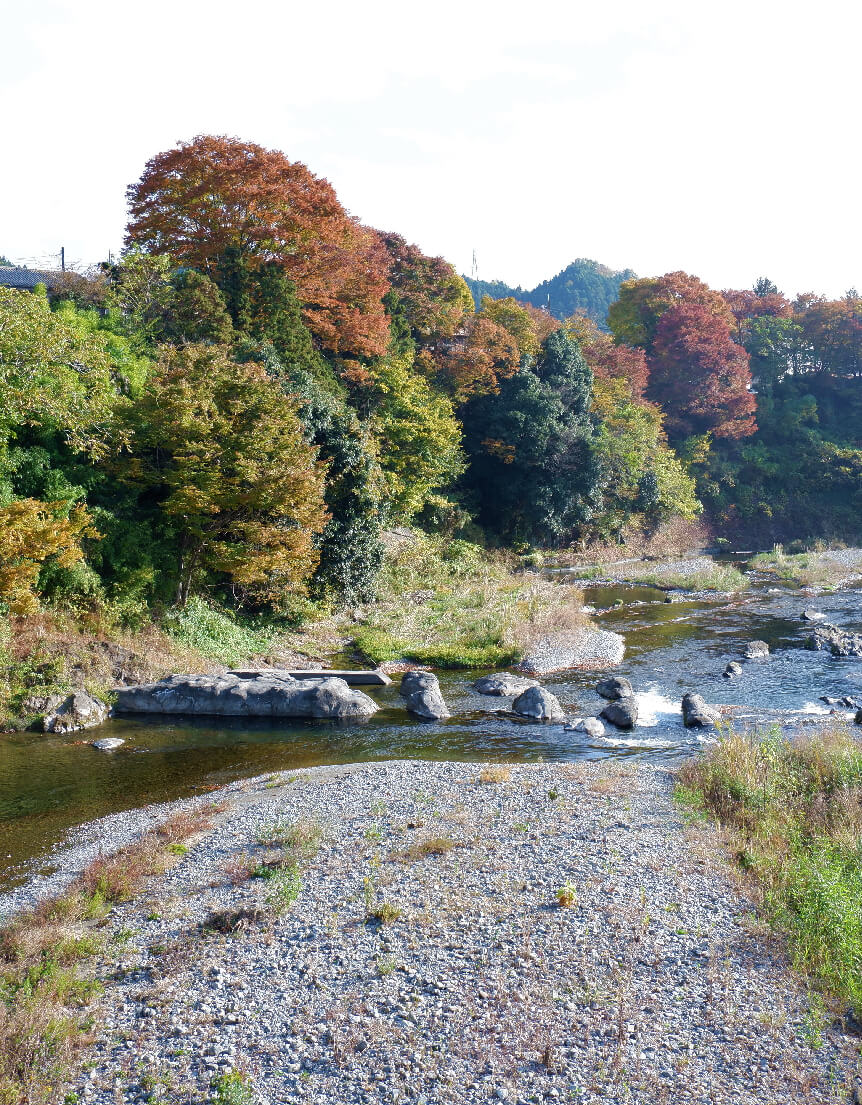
(50, 784)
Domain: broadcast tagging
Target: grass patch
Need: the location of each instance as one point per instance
(454, 605)
(721, 577)
(219, 635)
(495, 774)
(806, 569)
(430, 846)
(793, 813)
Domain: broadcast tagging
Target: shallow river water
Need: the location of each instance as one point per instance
(50, 784)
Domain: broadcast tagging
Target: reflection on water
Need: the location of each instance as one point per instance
(48, 784)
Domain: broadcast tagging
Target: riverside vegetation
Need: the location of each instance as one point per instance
(202, 444)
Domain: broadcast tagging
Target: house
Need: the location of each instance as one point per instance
(12, 276)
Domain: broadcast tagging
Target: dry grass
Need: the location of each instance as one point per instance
(47, 958)
(430, 846)
(495, 774)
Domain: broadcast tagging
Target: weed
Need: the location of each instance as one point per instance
(793, 813)
(232, 1088)
(495, 774)
(430, 846)
(300, 839)
(385, 964)
(285, 888)
(377, 911)
(178, 849)
(567, 896)
(814, 1021)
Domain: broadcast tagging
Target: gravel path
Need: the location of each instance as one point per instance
(654, 985)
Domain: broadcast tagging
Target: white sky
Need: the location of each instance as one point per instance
(723, 138)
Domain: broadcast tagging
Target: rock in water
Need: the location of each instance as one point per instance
(811, 615)
(623, 713)
(614, 687)
(503, 684)
(424, 698)
(254, 694)
(732, 669)
(538, 703)
(586, 648)
(756, 650)
(840, 642)
(857, 720)
(589, 725)
(108, 744)
(79, 711)
(696, 714)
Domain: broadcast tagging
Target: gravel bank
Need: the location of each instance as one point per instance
(654, 985)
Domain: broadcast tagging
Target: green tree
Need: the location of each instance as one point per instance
(241, 494)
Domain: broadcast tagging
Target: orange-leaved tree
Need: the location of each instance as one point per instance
(216, 195)
(31, 534)
(241, 494)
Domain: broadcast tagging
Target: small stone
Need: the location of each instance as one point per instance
(615, 687)
(589, 725)
(108, 744)
(756, 650)
(811, 615)
(732, 670)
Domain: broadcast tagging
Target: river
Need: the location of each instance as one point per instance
(50, 784)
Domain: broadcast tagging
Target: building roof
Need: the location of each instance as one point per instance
(11, 276)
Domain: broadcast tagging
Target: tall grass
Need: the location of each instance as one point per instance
(793, 813)
(454, 605)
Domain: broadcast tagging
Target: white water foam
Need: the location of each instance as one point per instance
(655, 708)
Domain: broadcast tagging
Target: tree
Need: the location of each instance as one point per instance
(634, 318)
(215, 194)
(433, 298)
(33, 533)
(609, 360)
(532, 462)
(479, 359)
(699, 375)
(241, 494)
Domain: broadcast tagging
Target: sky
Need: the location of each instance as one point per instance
(721, 139)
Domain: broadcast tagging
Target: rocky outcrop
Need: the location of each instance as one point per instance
(536, 702)
(756, 650)
(263, 694)
(589, 725)
(421, 689)
(503, 684)
(614, 687)
(623, 713)
(587, 648)
(696, 714)
(840, 642)
(732, 670)
(79, 711)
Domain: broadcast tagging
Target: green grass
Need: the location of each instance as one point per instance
(232, 1088)
(793, 813)
(218, 635)
(454, 605)
(807, 568)
(721, 577)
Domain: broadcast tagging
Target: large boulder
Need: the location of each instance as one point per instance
(503, 684)
(756, 650)
(269, 693)
(696, 714)
(424, 698)
(623, 713)
(79, 711)
(840, 642)
(587, 648)
(538, 703)
(614, 687)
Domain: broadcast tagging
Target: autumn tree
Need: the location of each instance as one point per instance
(634, 318)
(479, 359)
(699, 375)
(433, 299)
(609, 360)
(33, 534)
(216, 194)
(241, 494)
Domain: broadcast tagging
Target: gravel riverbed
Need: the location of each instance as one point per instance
(655, 984)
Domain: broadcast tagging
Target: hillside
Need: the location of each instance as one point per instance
(583, 285)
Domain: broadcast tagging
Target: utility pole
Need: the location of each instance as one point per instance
(62, 258)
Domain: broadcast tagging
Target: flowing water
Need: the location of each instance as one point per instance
(49, 784)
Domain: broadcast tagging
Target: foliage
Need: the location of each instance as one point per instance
(531, 449)
(31, 534)
(794, 812)
(634, 318)
(214, 194)
(217, 634)
(220, 448)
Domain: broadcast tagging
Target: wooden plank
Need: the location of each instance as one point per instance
(374, 678)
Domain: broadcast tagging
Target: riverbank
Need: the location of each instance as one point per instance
(449, 932)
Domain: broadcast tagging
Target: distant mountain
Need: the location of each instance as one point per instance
(584, 285)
